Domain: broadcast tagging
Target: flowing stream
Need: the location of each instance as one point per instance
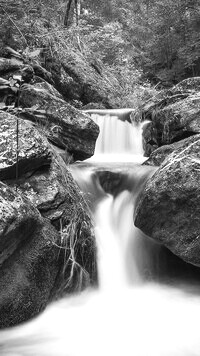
(148, 301)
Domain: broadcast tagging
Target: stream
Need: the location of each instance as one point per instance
(147, 302)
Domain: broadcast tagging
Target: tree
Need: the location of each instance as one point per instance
(77, 6)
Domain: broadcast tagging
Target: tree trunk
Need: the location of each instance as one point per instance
(66, 18)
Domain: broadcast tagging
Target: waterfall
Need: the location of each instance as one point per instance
(118, 140)
(142, 307)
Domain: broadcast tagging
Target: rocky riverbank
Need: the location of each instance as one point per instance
(47, 245)
(169, 207)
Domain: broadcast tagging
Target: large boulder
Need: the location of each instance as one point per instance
(29, 259)
(65, 126)
(174, 122)
(47, 244)
(169, 207)
(174, 115)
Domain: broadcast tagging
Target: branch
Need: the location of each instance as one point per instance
(10, 18)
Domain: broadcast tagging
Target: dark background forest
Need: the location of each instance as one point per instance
(141, 42)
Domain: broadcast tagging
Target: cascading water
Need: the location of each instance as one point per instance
(131, 314)
(117, 139)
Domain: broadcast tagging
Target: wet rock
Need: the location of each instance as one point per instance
(93, 106)
(65, 126)
(169, 207)
(33, 151)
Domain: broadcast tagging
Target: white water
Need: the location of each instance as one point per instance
(131, 314)
(118, 140)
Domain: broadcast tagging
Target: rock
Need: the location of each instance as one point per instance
(47, 190)
(28, 258)
(160, 101)
(11, 53)
(90, 106)
(33, 149)
(77, 78)
(169, 207)
(70, 87)
(111, 178)
(27, 278)
(179, 120)
(40, 96)
(38, 272)
(123, 114)
(149, 139)
(38, 261)
(172, 123)
(160, 154)
(43, 73)
(48, 88)
(65, 126)
(9, 65)
(18, 219)
(189, 84)
(27, 74)
(174, 115)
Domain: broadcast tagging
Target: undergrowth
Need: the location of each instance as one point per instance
(77, 242)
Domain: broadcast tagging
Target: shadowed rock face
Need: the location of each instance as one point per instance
(169, 207)
(29, 273)
(37, 261)
(18, 219)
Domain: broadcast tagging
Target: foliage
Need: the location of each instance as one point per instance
(138, 41)
(161, 37)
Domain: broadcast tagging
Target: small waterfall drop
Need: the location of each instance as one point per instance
(143, 307)
(118, 140)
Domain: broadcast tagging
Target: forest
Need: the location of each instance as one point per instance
(144, 44)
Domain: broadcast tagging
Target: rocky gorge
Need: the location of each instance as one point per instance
(47, 245)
